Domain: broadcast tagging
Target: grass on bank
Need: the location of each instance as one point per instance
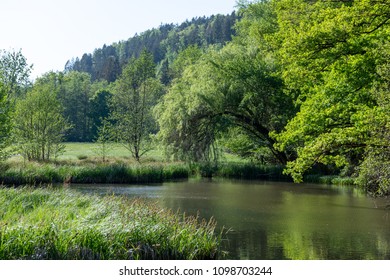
(35, 173)
(80, 164)
(62, 224)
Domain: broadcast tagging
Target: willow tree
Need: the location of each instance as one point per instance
(136, 92)
(229, 88)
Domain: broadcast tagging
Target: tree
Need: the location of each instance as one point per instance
(39, 126)
(14, 80)
(374, 171)
(231, 87)
(164, 42)
(99, 107)
(14, 73)
(104, 140)
(5, 123)
(75, 97)
(136, 92)
(331, 53)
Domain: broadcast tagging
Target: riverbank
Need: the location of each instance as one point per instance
(16, 173)
(61, 224)
(35, 173)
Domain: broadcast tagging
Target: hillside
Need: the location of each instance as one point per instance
(163, 42)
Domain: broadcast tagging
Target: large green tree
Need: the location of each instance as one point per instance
(230, 92)
(136, 92)
(231, 87)
(332, 54)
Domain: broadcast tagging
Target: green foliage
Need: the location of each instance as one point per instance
(164, 43)
(59, 224)
(303, 83)
(33, 173)
(105, 140)
(75, 97)
(5, 124)
(14, 81)
(39, 126)
(99, 108)
(374, 172)
(84, 103)
(183, 131)
(239, 143)
(185, 58)
(136, 92)
(14, 73)
(231, 87)
(251, 171)
(330, 55)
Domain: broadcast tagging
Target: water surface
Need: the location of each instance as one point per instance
(268, 220)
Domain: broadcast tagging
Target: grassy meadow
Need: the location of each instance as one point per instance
(85, 151)
(81, 164)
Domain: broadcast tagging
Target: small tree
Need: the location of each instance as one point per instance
(136, 93)
(39, 126)
(104, 140)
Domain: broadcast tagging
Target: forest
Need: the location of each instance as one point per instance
(299, 84)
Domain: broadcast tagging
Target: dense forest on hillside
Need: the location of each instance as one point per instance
(309, 91)
(164, 42)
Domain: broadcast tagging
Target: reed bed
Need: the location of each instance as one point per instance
(33, 173)
(61, 224)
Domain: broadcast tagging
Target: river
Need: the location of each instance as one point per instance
(276, 221)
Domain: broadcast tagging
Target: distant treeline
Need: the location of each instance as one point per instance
(164, 43)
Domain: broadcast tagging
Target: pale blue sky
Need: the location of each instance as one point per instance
(51, 32)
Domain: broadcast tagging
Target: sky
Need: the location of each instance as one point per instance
(50, 32)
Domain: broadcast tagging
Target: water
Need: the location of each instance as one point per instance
(268, 220)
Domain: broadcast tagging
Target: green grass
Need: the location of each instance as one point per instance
(80, 164)
(34, 173)
(65, 225)
(85, 151)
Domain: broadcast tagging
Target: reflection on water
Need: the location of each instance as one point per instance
(268, 220)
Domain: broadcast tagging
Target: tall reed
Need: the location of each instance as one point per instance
(47, 173)
(62, 224)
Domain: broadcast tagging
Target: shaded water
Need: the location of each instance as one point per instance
(269, 220)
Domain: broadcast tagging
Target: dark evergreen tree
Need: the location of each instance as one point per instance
(164, 43)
